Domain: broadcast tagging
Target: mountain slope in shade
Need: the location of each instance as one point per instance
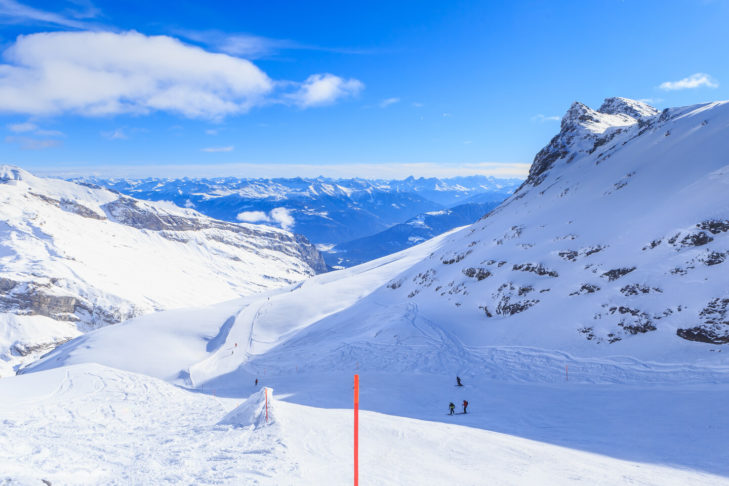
(404, 235)
(74, 258)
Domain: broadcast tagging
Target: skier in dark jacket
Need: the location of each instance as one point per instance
(458, 381)
(452, 408)
(465, 405)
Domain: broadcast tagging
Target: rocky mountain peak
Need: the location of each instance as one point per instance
(625, 106)
(583, 130)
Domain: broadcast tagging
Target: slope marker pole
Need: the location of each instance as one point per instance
(566, 373)
(356, 430)
(265, 394)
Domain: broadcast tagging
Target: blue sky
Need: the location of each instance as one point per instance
(336, 88)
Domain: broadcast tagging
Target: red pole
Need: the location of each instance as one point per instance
(265, 391)
(356, 430)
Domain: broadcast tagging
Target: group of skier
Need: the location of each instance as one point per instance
(452, 406)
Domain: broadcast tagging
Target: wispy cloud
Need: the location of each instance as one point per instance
(388, 101)
(211, 131)
(228, 148)
(28, 143)
(324, 89)
(417, 104)
(694, 81)
(22, 127)
(543, 118)
(116, 134)
(16, 12)
(651, 101)
(30, 127)
(252, 46)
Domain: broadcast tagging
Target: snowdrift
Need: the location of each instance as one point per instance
(256, 411)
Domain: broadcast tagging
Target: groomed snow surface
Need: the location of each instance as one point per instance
(89, 424)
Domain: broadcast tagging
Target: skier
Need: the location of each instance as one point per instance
(465, 404)
(458, 380)
(256, 381)
(452, 408)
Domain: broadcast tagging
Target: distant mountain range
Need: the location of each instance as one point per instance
(327, 211)
(404, 235)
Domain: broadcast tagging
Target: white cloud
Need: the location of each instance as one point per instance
(283, 217)
(211, 131)
(99, 73)
(697, 80)
(389, 101)
(228, 148)
(253, 217)
(543, 118)
(324, 89)
(280, 216)
(106, 73)
(417, 104)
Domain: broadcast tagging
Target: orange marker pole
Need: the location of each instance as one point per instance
(265, 393)
(356, 430)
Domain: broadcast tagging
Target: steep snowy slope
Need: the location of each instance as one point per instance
(75, 257)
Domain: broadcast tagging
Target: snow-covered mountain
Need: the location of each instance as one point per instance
(404, 235)
(615, 245)
(327, 211)
(600, 278)
(74, 258)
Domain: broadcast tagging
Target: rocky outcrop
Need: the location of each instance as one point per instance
(584, 130)
(714, 328)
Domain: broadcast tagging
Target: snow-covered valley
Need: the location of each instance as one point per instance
(587, 316)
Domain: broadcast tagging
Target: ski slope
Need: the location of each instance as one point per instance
(586, 358)
(90, 424)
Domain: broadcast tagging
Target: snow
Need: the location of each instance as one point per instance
(60, 239)
(90, 424)
(499, 303)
